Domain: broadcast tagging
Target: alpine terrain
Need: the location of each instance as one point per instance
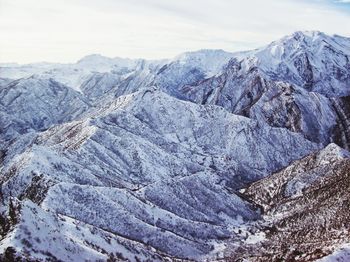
(209, 156)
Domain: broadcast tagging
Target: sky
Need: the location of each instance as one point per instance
(67, 30)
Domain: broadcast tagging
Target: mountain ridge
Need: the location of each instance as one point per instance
(210, 155)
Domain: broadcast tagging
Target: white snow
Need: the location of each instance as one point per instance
(341, 254)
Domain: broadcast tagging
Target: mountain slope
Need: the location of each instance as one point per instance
(36, 103)
(312, 60)
(305, 208)
(130, 168)
(293, 83)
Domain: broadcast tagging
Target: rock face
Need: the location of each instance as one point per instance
(341, 134)
(118, 159)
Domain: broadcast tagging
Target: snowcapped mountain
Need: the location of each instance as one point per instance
(92, 79)
(294, 83)
(312, 60)
(73, 75)
(209, 155)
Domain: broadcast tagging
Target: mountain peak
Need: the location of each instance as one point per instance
(94, 58)
(312, 33)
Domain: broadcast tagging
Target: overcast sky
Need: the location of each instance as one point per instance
(66, 30)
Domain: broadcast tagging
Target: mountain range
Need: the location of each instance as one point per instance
(209, 156)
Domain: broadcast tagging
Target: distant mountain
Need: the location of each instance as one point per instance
(210, 155)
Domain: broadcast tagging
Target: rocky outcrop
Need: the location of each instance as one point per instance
(341, 133)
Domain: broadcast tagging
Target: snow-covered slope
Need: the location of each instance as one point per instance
(36, 103)
(190, 68)
(37, 96)
(312, 60)
(150, 168)
(341, 254)
(61, 238)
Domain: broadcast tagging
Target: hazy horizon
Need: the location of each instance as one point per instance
(164, 58)
(65, 31)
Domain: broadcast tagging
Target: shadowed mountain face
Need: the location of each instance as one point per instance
(305, 209)
(341, 134)
(145, 160)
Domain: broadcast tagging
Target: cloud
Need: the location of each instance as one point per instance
(65, 30)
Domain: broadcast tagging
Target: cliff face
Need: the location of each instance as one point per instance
(341, 133)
